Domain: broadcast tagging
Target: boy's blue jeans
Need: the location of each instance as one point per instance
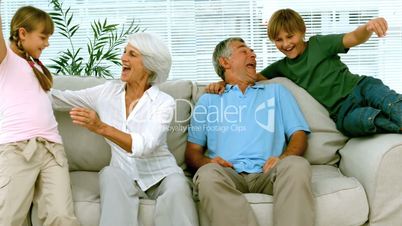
(370, 108)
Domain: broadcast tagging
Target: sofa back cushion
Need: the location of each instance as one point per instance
(85, 150)
(88, 151)
(325, 140)
(180, 90)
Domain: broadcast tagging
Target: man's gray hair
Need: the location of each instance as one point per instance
(155, 53)
(223, 49)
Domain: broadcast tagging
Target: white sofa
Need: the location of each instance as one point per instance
(366, 188)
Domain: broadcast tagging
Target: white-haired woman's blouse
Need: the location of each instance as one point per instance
(148, 124)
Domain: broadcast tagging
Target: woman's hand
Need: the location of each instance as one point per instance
(87, 118)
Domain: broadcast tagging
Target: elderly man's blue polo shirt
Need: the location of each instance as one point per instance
(246, 129)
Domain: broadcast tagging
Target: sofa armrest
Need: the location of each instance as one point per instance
(377, 163)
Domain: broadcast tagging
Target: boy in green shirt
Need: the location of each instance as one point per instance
(360, 105)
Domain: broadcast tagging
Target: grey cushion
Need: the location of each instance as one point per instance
(180, 90)
(325, 140)
(85, 150)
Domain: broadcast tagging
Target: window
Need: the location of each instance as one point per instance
(192, 28)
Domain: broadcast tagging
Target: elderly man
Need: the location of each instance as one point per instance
(255, 135)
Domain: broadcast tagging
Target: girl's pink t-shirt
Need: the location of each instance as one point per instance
(25, 108)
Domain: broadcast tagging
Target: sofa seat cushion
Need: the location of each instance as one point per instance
(340, 200)
(86, 198)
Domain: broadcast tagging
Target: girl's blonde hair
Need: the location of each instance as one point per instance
(287, 20)
(31, 18)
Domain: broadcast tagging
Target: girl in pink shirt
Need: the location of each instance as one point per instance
(33, 165)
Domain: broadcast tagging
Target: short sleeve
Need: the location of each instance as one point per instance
(196, 132)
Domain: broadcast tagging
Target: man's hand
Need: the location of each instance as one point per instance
(270, 163)
(86, 118)
(221, 162)
(215, 87)
(378, 26)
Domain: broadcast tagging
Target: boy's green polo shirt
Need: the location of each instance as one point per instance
(319, 70)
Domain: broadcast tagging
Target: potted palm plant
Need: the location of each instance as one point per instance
(102, 48)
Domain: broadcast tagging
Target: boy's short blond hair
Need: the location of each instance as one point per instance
(286, 19)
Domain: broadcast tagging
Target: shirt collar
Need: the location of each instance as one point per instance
(229, 87)
(152, 92)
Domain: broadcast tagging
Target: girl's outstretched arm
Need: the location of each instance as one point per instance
(3, 50)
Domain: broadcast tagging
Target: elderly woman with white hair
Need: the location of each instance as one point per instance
(134, 116)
